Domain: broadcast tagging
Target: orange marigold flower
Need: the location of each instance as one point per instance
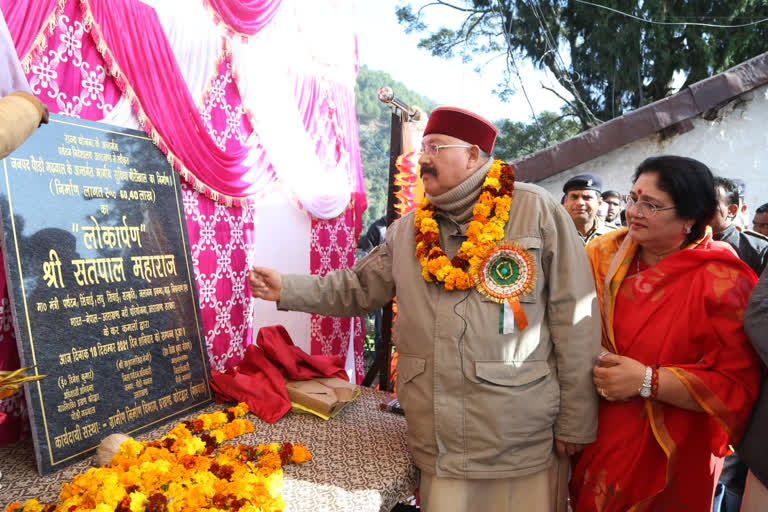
(300, 454)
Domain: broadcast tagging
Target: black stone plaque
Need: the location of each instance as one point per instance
(101, 282)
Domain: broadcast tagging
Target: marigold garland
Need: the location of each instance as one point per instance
(179, 472)
(489, 217)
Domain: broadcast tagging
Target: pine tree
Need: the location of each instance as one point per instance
(610, 62)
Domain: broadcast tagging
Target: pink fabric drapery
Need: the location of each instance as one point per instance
(136, 51)
(30, 24)
(243, 17)
(329, 116)
(71, 77)
(328, 112)
(135, 47)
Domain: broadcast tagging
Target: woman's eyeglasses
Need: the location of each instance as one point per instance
(645, 208)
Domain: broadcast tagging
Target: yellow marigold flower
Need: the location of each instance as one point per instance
(191, 446)
(196, 498)
(429, 226)
(474, 229)
(497, 227)
(32, 506)
(179, 431)
(492, 182)
(450, 281)
(443, 273)
(482, 209)
(467, 247)
(205, 481)
(131, 448)
(435, 265)
(421, 215)
(492, 234)
(138, 501)
(218, 435)
(241, 409)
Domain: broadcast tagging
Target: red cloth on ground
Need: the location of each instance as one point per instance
(294, 362)
(259, 379)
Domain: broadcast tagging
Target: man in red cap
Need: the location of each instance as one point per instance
(497, 326)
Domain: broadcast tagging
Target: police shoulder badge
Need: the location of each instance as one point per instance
(505, 273)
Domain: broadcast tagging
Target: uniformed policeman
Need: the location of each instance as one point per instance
(751, 247)
(582, 200)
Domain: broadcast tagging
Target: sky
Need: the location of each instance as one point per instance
(383, 45)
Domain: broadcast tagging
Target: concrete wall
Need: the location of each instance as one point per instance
(734, 145)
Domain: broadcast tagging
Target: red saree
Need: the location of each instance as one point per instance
(685, 314)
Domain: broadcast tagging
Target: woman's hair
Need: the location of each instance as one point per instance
(690, 185)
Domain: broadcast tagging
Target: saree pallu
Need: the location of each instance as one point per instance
(685, 314)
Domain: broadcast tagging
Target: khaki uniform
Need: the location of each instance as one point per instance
(600, 228)
(480, 404)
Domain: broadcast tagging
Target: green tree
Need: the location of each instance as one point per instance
(517, 139)
(609, 62)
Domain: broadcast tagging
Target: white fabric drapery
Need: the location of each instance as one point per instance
(321, 188)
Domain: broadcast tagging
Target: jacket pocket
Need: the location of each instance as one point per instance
(511, 374)
(510, 413)
(409, 367)
(414, 391)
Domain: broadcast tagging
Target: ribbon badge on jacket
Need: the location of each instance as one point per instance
(504, 274)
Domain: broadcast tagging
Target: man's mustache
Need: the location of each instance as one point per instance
(427, 170)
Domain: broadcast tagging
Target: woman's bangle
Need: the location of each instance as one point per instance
(654, 382)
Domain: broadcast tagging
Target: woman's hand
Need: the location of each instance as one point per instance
(618, 377)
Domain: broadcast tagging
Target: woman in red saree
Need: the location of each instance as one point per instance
(679, 376)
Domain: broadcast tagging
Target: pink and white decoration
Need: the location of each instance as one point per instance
(141, 65)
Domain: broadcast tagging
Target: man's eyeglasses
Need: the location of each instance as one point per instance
(645, 208)
(434, 149)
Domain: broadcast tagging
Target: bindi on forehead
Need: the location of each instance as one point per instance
(639, 191)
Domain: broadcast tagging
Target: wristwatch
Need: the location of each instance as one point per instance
(645, 389)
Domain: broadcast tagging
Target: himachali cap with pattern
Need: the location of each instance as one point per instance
(463, 125)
